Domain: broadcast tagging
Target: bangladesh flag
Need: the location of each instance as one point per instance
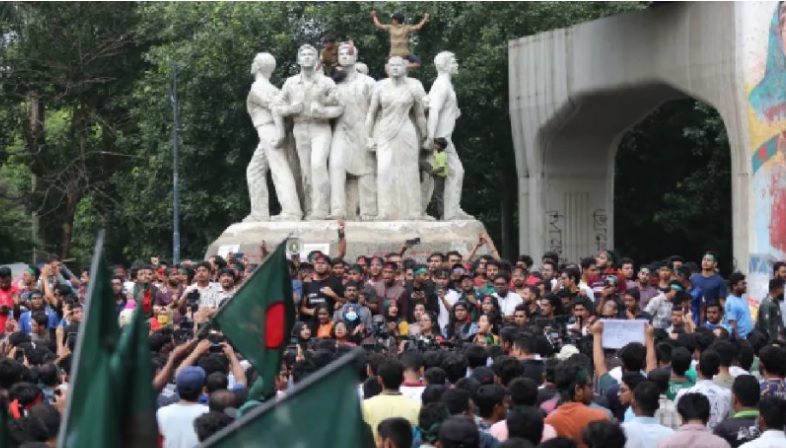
(258, 320)
(301, 420)
(111, 399)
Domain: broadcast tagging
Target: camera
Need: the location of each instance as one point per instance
(183, 334)
(192, 300)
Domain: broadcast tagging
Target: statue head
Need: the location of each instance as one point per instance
(264, 63)
(361, 68)
(397, 67)
(347, 54)
(307, 56)
(445, 62)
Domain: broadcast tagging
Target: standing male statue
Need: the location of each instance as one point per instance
(310, 99)
(442, 115)
(270, 155)
(348, 152)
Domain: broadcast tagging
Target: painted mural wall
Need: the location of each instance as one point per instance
(765, 86)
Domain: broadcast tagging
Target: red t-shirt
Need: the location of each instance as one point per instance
(7, 299)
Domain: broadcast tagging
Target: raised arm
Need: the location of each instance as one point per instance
(342, 240)
(420, 25)
(377, 23)
(598, 358)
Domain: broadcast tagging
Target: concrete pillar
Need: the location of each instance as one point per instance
(574, 92)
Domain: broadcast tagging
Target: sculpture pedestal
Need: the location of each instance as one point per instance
(363, 238)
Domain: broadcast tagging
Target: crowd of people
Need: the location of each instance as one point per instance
(460, 351)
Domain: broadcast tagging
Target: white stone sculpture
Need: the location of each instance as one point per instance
(443, 111)
(395, 119)
(311, 100)
(349, 155)
(361, 68)
(271, 154)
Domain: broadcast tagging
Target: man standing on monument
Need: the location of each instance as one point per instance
(310, 99)
(348, 152)
(442, 115)
(270, 155)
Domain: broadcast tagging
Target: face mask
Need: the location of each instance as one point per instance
(352, 316)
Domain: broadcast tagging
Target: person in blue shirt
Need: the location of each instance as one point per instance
(37, 304)
(737, 314)
(710, 284)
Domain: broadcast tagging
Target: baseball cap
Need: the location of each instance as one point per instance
(191, 379)
(483, 374)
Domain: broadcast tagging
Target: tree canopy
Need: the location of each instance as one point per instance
(86, 115)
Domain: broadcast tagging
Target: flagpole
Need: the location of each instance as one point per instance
(95, 264)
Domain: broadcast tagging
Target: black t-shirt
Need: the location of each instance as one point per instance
(738, 430)
(314, 297)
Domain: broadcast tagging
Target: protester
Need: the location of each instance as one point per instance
(507, 349)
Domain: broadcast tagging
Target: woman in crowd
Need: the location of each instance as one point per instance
(324, 324)
(487, 323)
(460, 327)
(396, 325)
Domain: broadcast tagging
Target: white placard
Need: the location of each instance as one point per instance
(617, 333)
(224, 250)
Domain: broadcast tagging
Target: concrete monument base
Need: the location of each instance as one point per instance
(363, 238)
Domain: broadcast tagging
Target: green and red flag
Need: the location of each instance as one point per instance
(300, 420)
(258, 319)
(111, 399)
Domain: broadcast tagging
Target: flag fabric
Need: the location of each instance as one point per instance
(111, 400)
(258, 319)
(4, 442)
(300, 419)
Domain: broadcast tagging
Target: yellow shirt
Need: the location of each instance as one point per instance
(399, 39)
(389, 404)
(440, 164)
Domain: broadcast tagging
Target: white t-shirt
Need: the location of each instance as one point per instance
(509, 303)
(176, 424)
(412, 392)
(452, 297)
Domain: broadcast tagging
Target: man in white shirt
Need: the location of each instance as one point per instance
(644, 431)
(719, 397)
(508, 301)
(176, 421)
(771, 421)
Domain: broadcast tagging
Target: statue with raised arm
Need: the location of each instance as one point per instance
(394, 122)
(352, 166)
(311, 100)
(270, 155)
(442, 115)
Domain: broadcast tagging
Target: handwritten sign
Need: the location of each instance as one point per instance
(617, 333)
(224, 250)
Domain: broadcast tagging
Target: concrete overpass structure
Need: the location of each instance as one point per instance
(574, 92)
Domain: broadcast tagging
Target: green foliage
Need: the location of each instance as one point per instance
(673, 185)
(102, 75)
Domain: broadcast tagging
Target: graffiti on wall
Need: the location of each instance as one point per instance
(600, 226)
(766, 89)
(555, 223)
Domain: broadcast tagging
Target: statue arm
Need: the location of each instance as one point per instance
(420, 119)
(372, 113)
(436, 100)
(285, 108)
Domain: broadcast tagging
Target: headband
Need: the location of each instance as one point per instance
(420, 271)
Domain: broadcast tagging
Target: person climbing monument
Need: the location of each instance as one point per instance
(399, 36)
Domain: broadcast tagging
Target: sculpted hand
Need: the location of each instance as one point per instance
(425, 16)
(428, 144)
(371, 144)
(296, 108)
